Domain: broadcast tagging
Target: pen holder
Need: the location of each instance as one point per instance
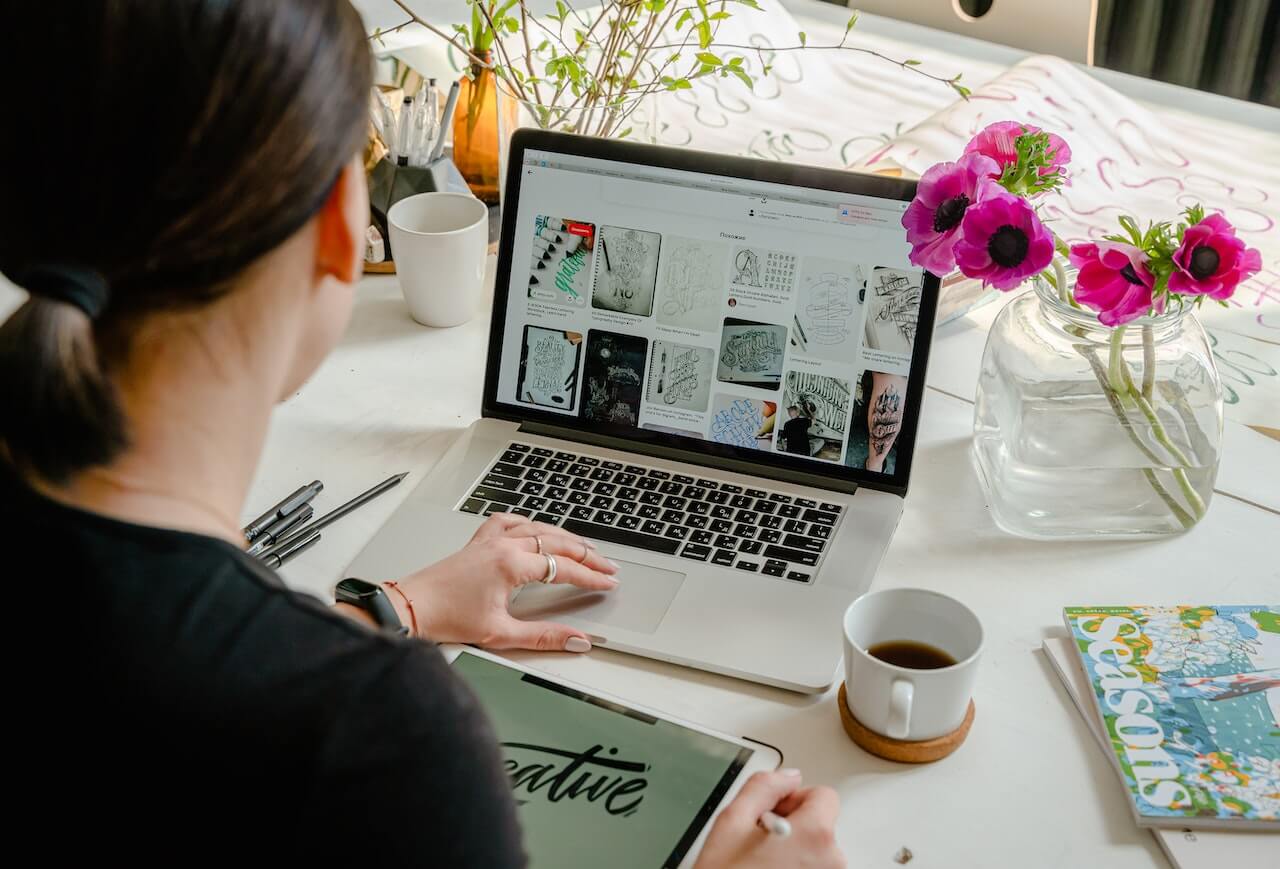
(388, 184)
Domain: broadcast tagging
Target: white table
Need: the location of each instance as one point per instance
(1030, 786)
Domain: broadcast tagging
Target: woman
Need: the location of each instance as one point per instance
(188, 224)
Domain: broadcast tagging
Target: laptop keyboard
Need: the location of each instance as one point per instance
(753, 530)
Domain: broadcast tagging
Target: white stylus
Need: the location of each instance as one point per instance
(775, 824)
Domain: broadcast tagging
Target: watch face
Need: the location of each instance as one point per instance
(357, 587)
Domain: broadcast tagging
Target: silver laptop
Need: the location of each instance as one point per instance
(711, 366)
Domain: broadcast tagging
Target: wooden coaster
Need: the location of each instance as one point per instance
(900, 750)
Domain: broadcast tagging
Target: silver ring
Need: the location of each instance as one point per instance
(586, 550)
(551, 569)
(538, 540)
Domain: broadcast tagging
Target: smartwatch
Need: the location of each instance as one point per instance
(373, 600)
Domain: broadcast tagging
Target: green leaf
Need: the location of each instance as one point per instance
(685, 17)
(719, 16)
(681, 84)
(625, 133)
(735, 61)
(911, 62)
(804, 39)
(740, 73)
(512, 25)
(853, 19)
(709, 59)
(704, 34)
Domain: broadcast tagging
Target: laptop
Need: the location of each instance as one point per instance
(712, 367)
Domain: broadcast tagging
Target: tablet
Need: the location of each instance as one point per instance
(599, 781)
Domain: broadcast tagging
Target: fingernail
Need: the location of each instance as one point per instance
(577, 644)
(790, 772)
(590, 545)
(613, 563)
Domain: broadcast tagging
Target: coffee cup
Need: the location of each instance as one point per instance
(439, 242)
(910, 660)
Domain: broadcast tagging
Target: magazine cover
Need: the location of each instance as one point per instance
(1189, 699)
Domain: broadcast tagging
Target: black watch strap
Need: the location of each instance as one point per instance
(372, 599)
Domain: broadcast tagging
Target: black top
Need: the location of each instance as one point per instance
(795, 435)
(174, 701)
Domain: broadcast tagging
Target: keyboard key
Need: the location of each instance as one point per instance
(682, 478)
(741, 501)
(604, 517)
(701, 537)
(830, 508)
(566, 457)
(803, 542)
(718, 497)
(625, 507)
(519, 448)
(521, 511)
(820, 516)
(730, 488)
(580, 513)
(775, 568)
(721, 526)
(531, 488)
(534, 461)
(647, 483)
(747, 516)
(798, 576)
(806, 502)
(768, 535)
(604, 488)
(555, 493)
(535, 503)
(508, 484)
(745, 531)
(652, 526)
(507, 470)
(629, 522)
(614, 534)
(543, 451)
(580, 484)
(587, 460)
(726, 541)
(579, 470)
(751, 566)
(820, 531)
(770, 521)
(559, 480)
(779, 497)
(491, 494)
(648, 511)
(512, 456)
(635, 469)
(613, 466)
(495, 508)
(788, 511)
(559, 508)
(694, 521)
(671, 488)
(555, 466)
(472, 505)
(757, 493)
(549, 518)
(624, 479)
(578, 497)
(658, 475)
(721, 511)
(628, 494)
(694, 493)
(672, 516)
(676, 532)
(600, 502)
(650, 498)
(674, 502)
(799, 556)
(695, 551)
(602, 474)
(764, 507)
(795, 526)
(702, 508)
(723, 556)
(535, 474)
(750, 547)
(708, 484)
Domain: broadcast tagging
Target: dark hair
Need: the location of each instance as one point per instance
(168, 146)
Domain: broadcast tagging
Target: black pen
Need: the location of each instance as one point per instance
(284, 508)
(336, 514)
(289, 549)
(276, 531)
(605, 249)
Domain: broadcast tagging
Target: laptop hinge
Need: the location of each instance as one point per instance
(786, 475)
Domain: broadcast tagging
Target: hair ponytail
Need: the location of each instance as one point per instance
(59, 411)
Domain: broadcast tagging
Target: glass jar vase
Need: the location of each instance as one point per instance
(1082, 430)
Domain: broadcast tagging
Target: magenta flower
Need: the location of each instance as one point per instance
(1114, 281)
(997, 142)
(932, 220)
(1002, 241)
(1212, 261)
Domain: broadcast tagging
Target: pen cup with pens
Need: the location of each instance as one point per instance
(407, 155)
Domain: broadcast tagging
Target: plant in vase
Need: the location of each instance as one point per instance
(1098, 409)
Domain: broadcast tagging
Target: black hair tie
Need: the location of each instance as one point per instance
(81, 287)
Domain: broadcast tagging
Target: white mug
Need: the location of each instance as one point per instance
(900, 702)
(439, 242)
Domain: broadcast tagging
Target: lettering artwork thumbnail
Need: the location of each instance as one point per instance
(613, 375)
(893, 308)
(680, 376)
(549, 367)
(817, 416)
(560, 271)
(878, 408)
(743, 422)
(751, 353)
(627, 271)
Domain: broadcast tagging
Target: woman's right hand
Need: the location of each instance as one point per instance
(737, 841)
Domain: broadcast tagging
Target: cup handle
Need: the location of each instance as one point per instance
(900, 698)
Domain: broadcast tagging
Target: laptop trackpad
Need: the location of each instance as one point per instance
(638, 603)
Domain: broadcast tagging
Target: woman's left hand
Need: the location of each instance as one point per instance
(463, 599)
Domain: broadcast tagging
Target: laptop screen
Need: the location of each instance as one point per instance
(720, 314)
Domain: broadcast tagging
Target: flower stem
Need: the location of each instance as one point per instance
(1115, 362)
(1061, 274)
(1148, 362)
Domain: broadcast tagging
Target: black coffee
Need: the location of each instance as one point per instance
(912, 655)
